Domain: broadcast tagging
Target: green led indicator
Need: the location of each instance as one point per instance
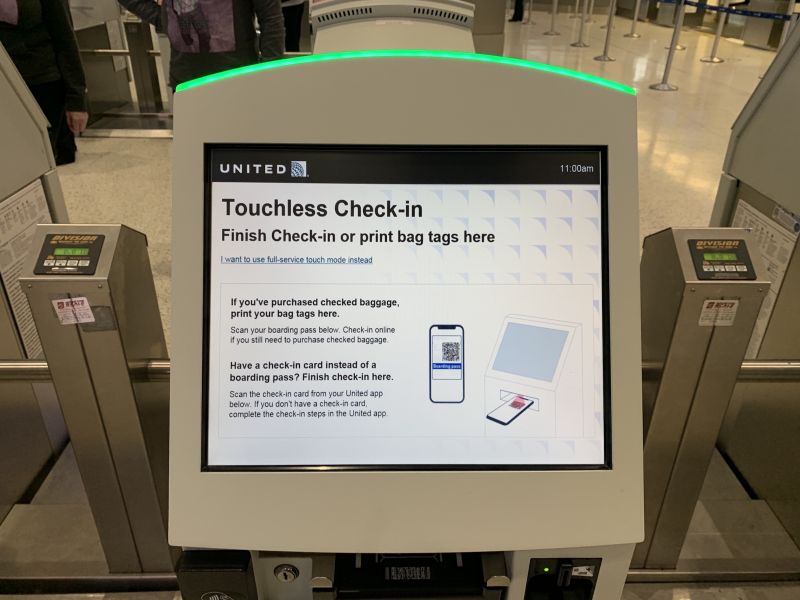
(71, 252)
(719, 256)
(434, 54)
(546, 569)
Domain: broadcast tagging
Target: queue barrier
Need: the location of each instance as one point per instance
(664, 85)
(732, 10)
(725, 8)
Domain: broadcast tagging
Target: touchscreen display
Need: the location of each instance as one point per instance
(405, 308)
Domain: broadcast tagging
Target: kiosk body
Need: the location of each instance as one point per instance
(544, 516)
(32, 429)
(758, 190)
(383, 24)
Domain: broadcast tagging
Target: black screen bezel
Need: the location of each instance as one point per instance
(297, 149)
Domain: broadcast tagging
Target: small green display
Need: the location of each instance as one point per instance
(720, 256)
(71, 252)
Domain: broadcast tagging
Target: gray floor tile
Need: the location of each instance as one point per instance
(52, 540)
(63, 484)
(735, 516)
(788, 513)
(762, 546)
(721, 483)
(649, 591)
(705, 545)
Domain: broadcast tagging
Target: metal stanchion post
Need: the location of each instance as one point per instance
(604, 57)
(577, 12)
(664, 85)
(580, 43)
(604, 25)
(553, 13)
(678, 47)
(713, 58)
(591, 12)
(636, 7)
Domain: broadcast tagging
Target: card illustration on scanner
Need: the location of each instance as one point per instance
(518, 402)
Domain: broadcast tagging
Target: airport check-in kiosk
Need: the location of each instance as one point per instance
(31, 426)
(758, 190)
(343, 271)
(391, 24)
(431, 24)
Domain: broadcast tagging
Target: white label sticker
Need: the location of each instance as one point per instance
(19, 215)
(718, 313)
(776, 245)
(73, 310)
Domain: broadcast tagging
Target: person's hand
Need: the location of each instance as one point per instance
(76, 121)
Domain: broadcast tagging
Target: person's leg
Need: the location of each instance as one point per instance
(185, 27)
(519, 9)
(293, 22)
(200, 24)
(65, 143)
(51, 97)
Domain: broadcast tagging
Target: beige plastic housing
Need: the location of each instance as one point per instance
(406, 100)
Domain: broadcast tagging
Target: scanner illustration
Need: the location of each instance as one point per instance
(533, 383)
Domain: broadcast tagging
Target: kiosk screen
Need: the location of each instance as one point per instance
(405, 308)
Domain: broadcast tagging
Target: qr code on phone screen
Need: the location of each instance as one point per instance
(451, 351)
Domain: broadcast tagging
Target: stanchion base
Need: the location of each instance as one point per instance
(632, 35)
(713, 59)
(579, 45)
(664, 87)
(554, 32)
(679, 47)
(604, 58)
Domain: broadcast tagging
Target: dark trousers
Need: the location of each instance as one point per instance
(195, 20)
(519, 10)
(293, 22)
(51, 97)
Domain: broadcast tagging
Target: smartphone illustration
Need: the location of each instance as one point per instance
(511, 409)
(446, 362)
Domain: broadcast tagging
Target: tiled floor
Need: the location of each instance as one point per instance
(778, 591)
(683, 136)
(727, 523)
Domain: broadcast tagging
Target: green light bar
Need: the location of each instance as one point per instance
(315, 58)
